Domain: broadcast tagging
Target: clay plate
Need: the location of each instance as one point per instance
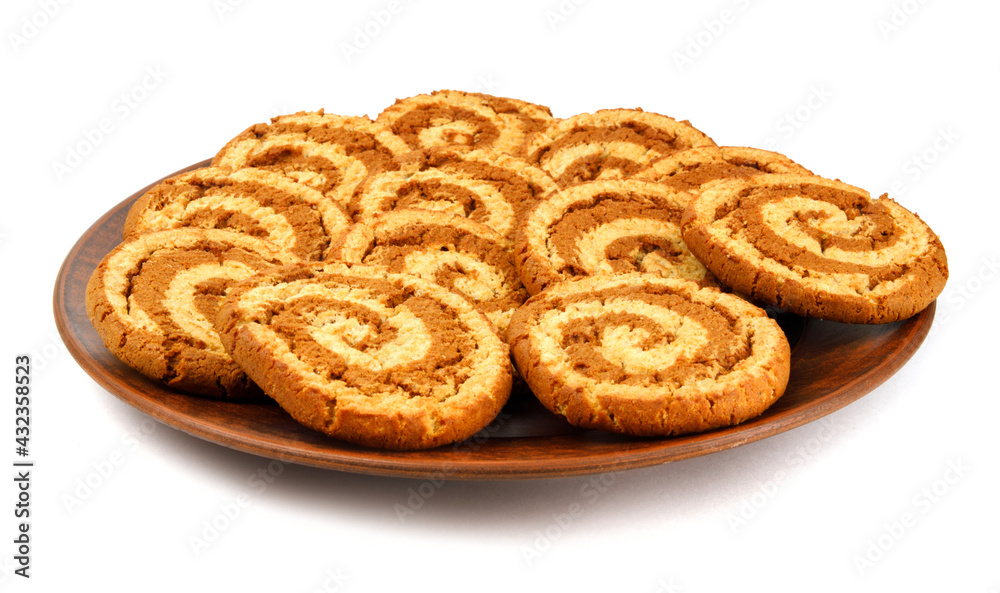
(833, 364)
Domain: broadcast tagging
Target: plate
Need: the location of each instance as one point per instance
(833, 364)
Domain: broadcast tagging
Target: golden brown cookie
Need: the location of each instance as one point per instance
(330, 153)
(153, 301)
(648, 356)
(494, 190)
(605, 227)
(452, 251)
(689, 170)
(609, 144)
(465, 121)
(260, 203)
(368, 356)
(817, 247)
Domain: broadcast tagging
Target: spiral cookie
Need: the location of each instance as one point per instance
(465, 121)
(153, 301)
(609, 144)
(251, 201)
(648, 356)
(494, 190)
(817, 247)
(689, 170)
(606, 227)
(455, 252)
(330, 153)
(368, 356)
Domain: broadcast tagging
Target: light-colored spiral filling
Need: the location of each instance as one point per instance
(609, 144)
(329, 153)
(488, 189)
(259, 203)
(818, 232)
(690, 170)
(606, 227)
(465, 121)
(451, 251)
(634, 353)
(155, 298)
(367, 341)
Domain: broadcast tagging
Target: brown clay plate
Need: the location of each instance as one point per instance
(833, 364)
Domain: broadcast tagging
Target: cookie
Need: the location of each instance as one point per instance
(330, 153)
(465, 121)
(153, 301)
(609, 144)
(366, 355)
(261, 203)
(605, 227)
(643, 355)
(689, 170)
(817, 247)
(494, 190)
(452, 251)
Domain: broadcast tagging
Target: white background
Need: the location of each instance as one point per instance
(879, 93)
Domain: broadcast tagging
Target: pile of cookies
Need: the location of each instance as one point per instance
(387, 281)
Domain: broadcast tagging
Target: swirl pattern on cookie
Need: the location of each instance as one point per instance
(494, 190)
(817, 247)
(330, 153)
(690, 170)
(368, 356)
(464, 121)
(609, 144)
(260, 203)
(451, 251)
(153, 301)
(606, 227)
(648, 356)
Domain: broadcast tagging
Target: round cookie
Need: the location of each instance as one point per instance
(153, 301)
(606, 227)
(330, 153)
(368, 356)
(465, 121)
(689, 170)
(609, 144)
(452, 251)
(494, 190)
(817, 247)
(261, 203)
(648, 356)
